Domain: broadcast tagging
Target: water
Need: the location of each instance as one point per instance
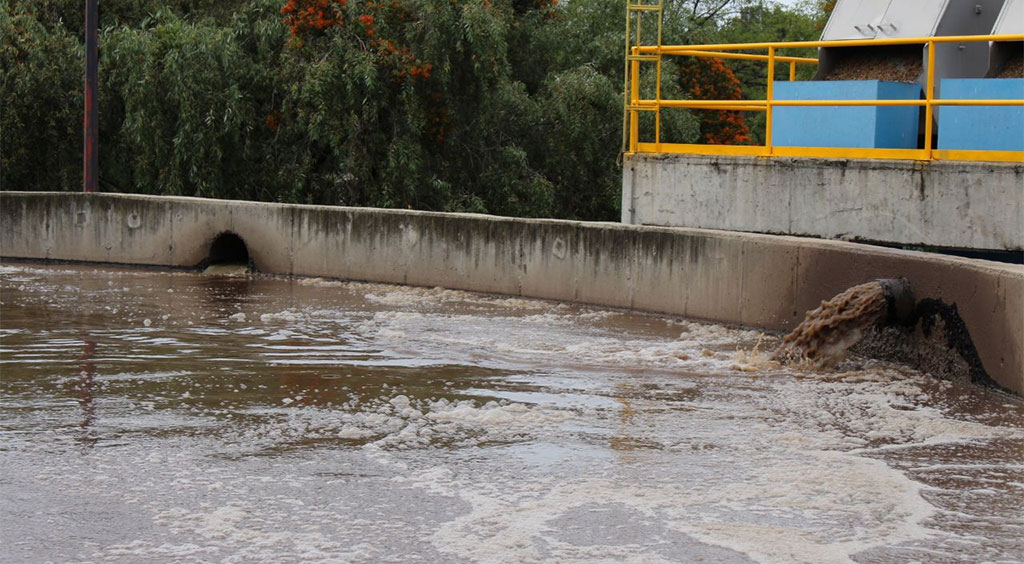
(165, 416)
(828, 331)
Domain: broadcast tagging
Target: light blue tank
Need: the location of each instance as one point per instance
(856, 127)
(979, 128)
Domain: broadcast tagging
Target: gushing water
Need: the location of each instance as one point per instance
(828, 331)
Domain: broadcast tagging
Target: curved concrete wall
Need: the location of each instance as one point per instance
(755, 280)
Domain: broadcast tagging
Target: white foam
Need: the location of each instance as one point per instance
(712, 334)
(492, 415)
(248, 536)
(416, 297)
(323, 282)
(543, 336)
(780, 511)
(400, 422)
(286, 316)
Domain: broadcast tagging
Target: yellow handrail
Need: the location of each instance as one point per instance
(667, 49)
(747, 56)
(762, 104)
(635, 103)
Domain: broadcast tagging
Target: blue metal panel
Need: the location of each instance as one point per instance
(857, 127)
(978, 128)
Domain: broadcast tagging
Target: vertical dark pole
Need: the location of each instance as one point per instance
(90, 160)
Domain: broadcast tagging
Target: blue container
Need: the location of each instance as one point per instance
(979, 128)
(892, 127)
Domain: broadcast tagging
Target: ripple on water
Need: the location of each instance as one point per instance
(268, 419)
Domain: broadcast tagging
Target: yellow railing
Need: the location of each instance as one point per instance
(634, 103)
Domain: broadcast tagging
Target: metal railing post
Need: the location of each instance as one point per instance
(770, 93)
(626, 102)
(657, 91)
(929, 97)
(634, 100)
(635, 54)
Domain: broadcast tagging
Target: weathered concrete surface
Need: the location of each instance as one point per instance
(956, 205)
(755, 280)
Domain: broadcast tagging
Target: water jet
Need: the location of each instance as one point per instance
(881, 319)
(835, 326)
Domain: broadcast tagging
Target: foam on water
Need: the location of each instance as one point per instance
(537, 337)
(268, 420)
(773, 515)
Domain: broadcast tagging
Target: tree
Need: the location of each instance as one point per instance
(500, 106)
(40, 103)
(710, 79)
(757, 22)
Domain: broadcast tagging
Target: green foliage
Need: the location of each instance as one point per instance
(40, 104)
(185, 110)
(499, 106)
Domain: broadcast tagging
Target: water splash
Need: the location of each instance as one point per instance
(827, 333)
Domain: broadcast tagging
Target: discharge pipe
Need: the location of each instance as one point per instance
(829, 331)
(899, 300)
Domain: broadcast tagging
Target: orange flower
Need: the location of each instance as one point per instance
(272, 122)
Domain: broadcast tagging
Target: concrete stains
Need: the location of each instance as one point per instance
(881, 200)
(558, 248)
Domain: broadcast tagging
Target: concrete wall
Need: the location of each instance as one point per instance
(755, 280)
(957, 205)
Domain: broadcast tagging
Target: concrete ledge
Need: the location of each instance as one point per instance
(755, 280)
(944, 204)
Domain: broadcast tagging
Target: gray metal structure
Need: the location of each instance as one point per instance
(871, 19)
(886, 19)
(1009, 22)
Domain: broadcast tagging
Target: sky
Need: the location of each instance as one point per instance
(790, 3)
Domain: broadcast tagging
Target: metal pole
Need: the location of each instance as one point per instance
(634, 100)
(626, 114)
(929, 96)
(769, 98)
(90, 160)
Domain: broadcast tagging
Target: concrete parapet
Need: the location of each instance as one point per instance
(748, 279)
(941, 204)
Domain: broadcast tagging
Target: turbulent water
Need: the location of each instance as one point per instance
(166, 416)
(828, 331)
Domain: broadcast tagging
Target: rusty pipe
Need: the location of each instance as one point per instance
(90, 125)
(899, 299)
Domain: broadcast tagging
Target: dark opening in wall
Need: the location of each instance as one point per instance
(228, 248)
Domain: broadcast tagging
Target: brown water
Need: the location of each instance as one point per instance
(165, 416)
(830, 330)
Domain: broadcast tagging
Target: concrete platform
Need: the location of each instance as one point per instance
(737, 278)
(946, 204)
